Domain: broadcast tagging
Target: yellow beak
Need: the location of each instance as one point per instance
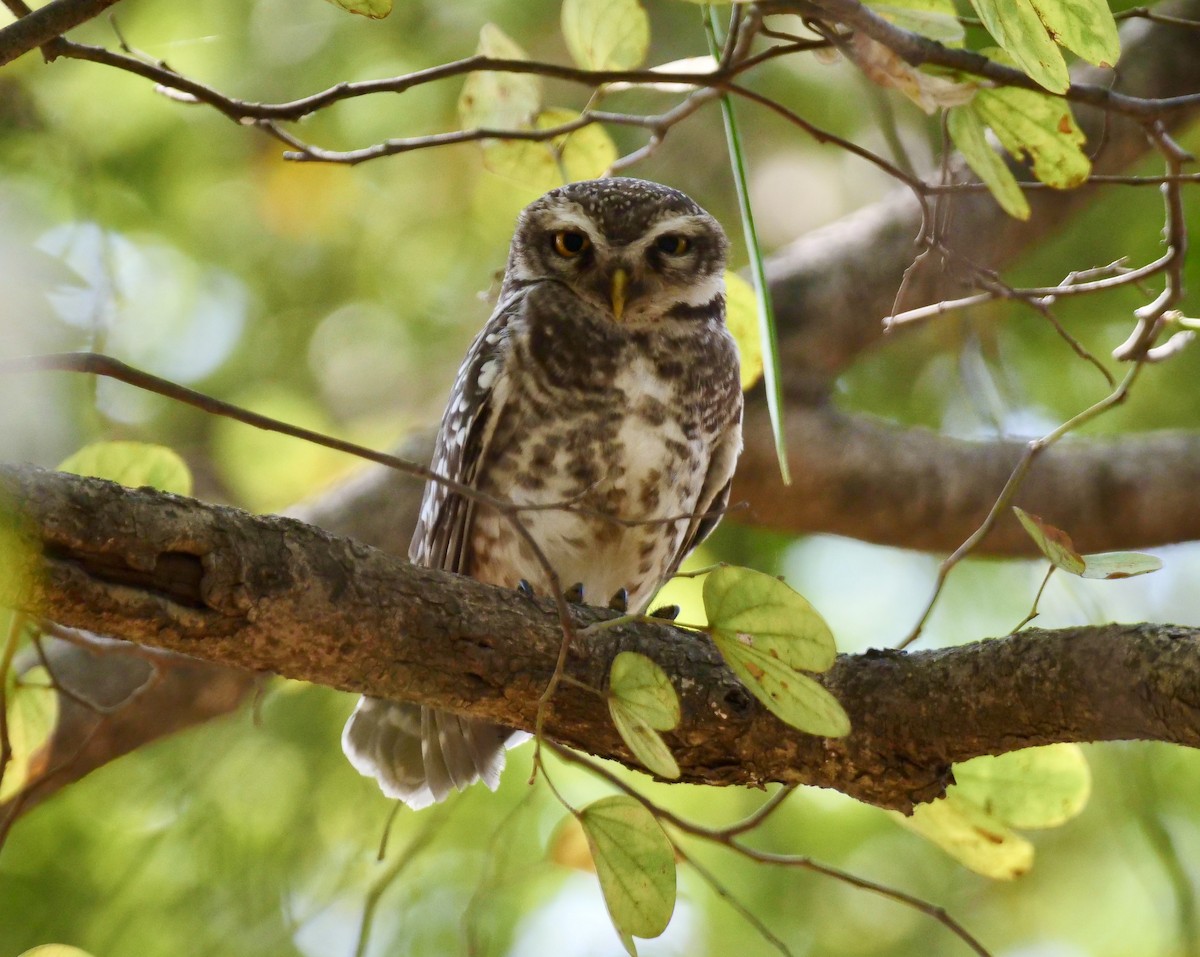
(620, 279)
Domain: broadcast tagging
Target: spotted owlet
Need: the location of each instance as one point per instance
(605, 382)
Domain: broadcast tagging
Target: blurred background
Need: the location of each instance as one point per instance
(342, 299)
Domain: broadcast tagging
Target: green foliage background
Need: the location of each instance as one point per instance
(342, 299)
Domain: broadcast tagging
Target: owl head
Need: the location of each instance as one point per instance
(637, 251)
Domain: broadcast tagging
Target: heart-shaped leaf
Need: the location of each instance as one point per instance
(635, 863)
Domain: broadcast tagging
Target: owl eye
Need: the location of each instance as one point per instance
(570, 242)
(672, 244)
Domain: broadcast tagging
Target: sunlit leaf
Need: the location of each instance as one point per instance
(642, 686)
(971, 836)
(741, 316)
(55, 950)
(936, 19)
(792, 697)
(970, 138)
(492, 100)
(642, 702)
(606, 34)
(764, 613)
(635, 863)
(585, 153)
(1039, 127)
(1053, 542)
(19, 556)
(1017, 28)
(376, 9)
(1032, 788)
(32, 713)
(1110, 565)
(132, 463)
(1085, 27)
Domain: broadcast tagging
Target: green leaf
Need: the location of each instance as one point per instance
(1032, 788)
(763, 613)
(505, 101)
(646, 744)
(792, 697)
(1086, 27)
(32, 714)
(635, 863)
(585, 153)
(375, 9)
(20, 556)
(971, 836)
(606, 34)
(741, 316)
(1017, 28)
(1110, 565)
(1053, 542)
(642, 702)
(772, 368)
(132, 463)
(968, 133)
(639, 684)
(936, 19)
(1057, 546)
(1040, 127)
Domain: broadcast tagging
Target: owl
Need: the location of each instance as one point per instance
(606, 383)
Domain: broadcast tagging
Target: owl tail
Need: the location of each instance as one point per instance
(418, 755)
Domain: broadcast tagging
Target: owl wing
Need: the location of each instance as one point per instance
(440, 539)
(714, 491)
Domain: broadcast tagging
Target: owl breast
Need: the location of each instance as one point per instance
(611, 473)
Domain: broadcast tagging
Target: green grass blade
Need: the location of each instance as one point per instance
(772, 377)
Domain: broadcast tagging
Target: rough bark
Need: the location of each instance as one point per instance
(274, 594)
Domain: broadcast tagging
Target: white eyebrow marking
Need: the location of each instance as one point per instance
(574, 219)
(683, 223)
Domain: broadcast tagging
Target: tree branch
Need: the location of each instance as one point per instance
(833, 286)
(37, 27)
(270, 593)
(914, 488)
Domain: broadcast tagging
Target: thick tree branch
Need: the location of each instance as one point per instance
(40, 26)
(914, 488)
(274, 594)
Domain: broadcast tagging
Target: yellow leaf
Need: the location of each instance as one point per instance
(741, 316)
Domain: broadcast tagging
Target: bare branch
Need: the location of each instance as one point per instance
(913, 488)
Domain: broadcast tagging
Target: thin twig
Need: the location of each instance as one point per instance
(724, 837)
(1032, 450)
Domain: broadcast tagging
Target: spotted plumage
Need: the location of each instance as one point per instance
(604, 382)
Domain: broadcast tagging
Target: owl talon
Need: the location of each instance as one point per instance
(619, 601)
(574, 594)
(666, 612)
(525, 589)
